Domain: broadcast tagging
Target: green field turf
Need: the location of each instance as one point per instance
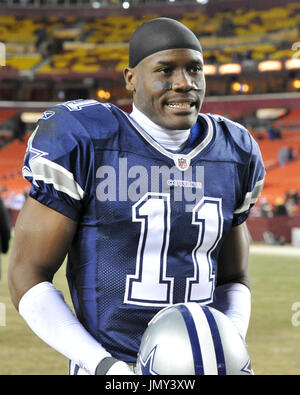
(273, 341)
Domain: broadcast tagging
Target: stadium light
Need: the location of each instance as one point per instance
(296, 84)
(102, 94)
(270, 65)
(126, 5)
(271, 113)
(230, 68)
(210, 69)
(291, 64)
(96, 4)
(30, 117)
(239, 87)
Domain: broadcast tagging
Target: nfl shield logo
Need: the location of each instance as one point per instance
(182, 163)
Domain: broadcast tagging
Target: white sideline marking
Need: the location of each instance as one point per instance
(275, 250)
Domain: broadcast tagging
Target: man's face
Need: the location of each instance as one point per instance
(169, 87)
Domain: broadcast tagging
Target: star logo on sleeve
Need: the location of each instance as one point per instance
(34, 155)
(47, 114)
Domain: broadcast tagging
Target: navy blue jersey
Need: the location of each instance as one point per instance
(150, 222)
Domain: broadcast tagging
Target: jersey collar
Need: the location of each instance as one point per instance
(182, 161)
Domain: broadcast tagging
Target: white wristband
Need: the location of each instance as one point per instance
(234, 300)
(48, 315)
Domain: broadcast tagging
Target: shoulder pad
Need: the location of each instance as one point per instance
(238, 133)
(220, 118)
(97, 118)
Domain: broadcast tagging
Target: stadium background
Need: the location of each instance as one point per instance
(53, 51)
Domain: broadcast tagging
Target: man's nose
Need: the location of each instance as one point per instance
(182, 81)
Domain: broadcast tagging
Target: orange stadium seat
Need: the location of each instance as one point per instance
(11, 161)
(280, 178)
(270, 148)
(289, 120)
(6, 114)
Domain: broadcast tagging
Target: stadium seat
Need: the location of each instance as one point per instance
(261, 30)
(280, 178)
(11, 161)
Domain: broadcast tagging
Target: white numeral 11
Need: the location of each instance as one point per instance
(150, 286)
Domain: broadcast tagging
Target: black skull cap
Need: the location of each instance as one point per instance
(160, 34)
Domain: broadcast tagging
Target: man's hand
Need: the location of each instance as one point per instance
(110, 366)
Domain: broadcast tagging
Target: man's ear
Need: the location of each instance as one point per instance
(129, 76)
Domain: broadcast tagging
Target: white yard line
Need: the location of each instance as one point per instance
(275, 250)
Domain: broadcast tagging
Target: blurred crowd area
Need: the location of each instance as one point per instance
(286, 205)
(91, 3)
(58, 55)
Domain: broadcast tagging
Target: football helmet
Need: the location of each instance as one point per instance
(189, 339)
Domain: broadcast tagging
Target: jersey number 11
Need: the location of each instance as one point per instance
(150, 286)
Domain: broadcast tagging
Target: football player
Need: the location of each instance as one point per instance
(149, 207)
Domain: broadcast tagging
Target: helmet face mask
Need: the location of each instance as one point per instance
(189, 339)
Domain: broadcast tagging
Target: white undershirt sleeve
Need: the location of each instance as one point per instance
(44, 309)
(234, 300)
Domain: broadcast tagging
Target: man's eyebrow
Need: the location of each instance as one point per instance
(165, 63)
(196, 63)
(192, 62)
